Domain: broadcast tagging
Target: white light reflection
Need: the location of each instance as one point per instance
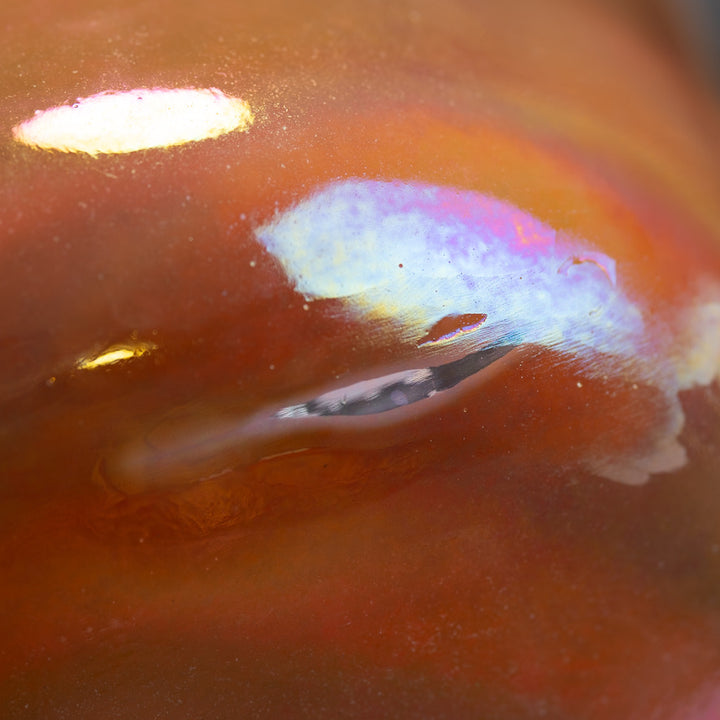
(456, 268)
(124, 122)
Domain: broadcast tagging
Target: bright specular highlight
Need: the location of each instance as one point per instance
(124, 122)
(115, 354)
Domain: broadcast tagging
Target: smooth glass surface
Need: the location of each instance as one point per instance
(398, 398)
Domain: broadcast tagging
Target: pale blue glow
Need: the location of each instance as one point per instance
(417, 253)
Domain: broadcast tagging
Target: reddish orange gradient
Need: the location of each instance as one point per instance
(451, 562)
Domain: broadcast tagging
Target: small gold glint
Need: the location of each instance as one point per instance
(115, 354)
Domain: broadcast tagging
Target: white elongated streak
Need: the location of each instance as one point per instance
(124, 122)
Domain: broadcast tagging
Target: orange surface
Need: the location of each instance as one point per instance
(454, 562)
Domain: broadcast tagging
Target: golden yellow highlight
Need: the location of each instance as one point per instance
(125, 122)
(115, 354)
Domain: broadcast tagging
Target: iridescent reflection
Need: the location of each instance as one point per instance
(124, 122)
(422, 254)
(460, 270)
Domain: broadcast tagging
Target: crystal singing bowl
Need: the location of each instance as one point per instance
(358, 360)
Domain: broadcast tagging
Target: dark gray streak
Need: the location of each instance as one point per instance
(389, 392)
